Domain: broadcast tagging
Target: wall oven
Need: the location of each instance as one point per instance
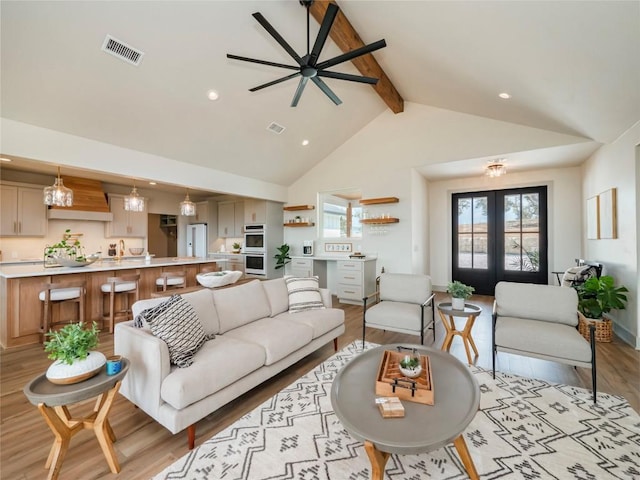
(254, 238)
(254, 264)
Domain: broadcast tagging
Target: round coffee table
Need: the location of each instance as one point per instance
(52, 401)
(447, 313)
(424, 427)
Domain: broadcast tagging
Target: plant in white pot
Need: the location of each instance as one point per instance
(71, 348)
(459, 293)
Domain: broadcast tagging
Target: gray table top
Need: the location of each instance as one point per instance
(469, 309)
(424, 427)
(40, 390)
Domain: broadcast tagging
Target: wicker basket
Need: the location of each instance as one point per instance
(603, 329)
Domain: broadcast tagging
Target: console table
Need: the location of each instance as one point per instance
(53, 400)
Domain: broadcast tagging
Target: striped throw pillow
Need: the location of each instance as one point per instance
(175, 322)
(304, 294)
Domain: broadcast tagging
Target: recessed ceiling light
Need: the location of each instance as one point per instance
(152, 183)
(305, 142)
(504, 95)
(213, 95)
(4, 159)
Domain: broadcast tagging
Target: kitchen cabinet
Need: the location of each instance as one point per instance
(202, 212)
(255, 211)
(356, 279)
(22, 212)
(231, 219)
(300, 267)
(233, 262)
(125, 223)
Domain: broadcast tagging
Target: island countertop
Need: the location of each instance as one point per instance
(103, 265)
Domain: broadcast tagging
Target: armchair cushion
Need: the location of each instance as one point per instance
(394, 315)
(548, 303)
(405, 287)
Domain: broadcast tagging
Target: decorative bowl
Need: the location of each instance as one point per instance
(411, 365)
(218, 279)
(72, 262)
(136, 250)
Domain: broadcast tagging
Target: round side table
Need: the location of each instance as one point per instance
(447, 314)
(52, 400)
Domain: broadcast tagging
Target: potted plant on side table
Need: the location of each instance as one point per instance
(459, 294)
(72, 349)
(596, 298)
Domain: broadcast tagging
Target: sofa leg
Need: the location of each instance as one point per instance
(191, 435)
(335, 344)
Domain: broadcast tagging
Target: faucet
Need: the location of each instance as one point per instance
(120, 249)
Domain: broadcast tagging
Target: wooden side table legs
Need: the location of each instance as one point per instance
(467, 461)
(64, 427)
(378, 460)
(465, 334)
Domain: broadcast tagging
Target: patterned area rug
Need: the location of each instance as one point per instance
(526, 429)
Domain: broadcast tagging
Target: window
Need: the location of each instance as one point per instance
(341, 214)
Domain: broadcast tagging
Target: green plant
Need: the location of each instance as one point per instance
(410, 362)
(236, 246)
(68, 249)
(72, 342)
(598, 296)
(459, 290)
(282, 257)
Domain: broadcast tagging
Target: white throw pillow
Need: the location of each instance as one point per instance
(304, 294)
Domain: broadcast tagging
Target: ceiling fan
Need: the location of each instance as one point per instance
(308, 67)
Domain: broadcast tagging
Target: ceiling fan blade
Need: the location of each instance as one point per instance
(325, 28)
(372, 47)
(346, 76)
(274, 82)
(327, 91)
(262, 62)
(272, 31)
(299, 90)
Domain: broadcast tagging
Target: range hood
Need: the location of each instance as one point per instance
(89, 202)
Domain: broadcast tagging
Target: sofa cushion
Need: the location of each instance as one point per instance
(320, 321)
(304, 294)
(277, 294)
(202, 302)
(555, 340)
(212, 370)
(175, 322)
(522, 300)
(240, 305)
(278, 337)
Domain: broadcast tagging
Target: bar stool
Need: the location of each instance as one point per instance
(124, 286)
(172, 280)
(57, 294)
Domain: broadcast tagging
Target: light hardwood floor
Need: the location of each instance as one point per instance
(144, 448)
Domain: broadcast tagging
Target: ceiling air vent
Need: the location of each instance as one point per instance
(276, 128)
(122, 51)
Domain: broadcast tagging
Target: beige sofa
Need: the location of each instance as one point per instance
(255, 338)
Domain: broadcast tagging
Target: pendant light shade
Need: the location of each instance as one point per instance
(187, 207)
(58, 195)
(495, 169)
(134, 202)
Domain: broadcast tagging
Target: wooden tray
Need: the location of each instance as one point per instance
(390, 382)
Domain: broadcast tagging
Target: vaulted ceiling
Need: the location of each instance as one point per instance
(571, 67)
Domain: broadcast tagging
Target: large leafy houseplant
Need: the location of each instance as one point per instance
(598, 296)
(282, 257)
(72, 342)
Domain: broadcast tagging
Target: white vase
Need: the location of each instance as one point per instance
(457, 303)
(64, 374)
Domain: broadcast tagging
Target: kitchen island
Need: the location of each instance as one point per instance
(21, 310)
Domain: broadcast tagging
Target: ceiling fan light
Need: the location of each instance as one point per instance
(57, 194)
(187, 207)
(134, 202)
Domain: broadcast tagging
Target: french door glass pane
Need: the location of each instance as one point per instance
(512, 252)
(512, 212)
(530, 212)
(479, 214)
(480, 250)
(465, 241)
(464, 215)
(531, 252)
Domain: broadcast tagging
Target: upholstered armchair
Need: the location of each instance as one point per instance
(400, 304)
(541, 321)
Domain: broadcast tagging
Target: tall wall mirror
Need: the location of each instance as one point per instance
(340, 213)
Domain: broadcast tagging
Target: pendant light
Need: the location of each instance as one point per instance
(495, 169)
(134, 202)
(58, 195)
(187, 207)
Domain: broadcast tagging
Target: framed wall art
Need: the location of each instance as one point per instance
(593, 225)
(607, 214)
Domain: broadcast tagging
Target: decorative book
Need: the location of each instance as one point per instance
(390, 407)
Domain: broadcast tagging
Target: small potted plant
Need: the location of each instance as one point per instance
(282, 257)
(596, 298)
(459, 293)
(236, 247)
(72, 349)
(411, 365)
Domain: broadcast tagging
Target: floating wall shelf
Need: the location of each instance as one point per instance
(296, 208)
(299, 224)
(378, 201)
(378, 221)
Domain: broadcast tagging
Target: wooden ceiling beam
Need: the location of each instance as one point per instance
(347, 39)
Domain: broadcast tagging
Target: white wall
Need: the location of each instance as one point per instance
(563, 206)
(616, 166)
(379, 160)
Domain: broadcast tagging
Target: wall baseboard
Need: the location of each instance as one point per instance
(626, 336)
